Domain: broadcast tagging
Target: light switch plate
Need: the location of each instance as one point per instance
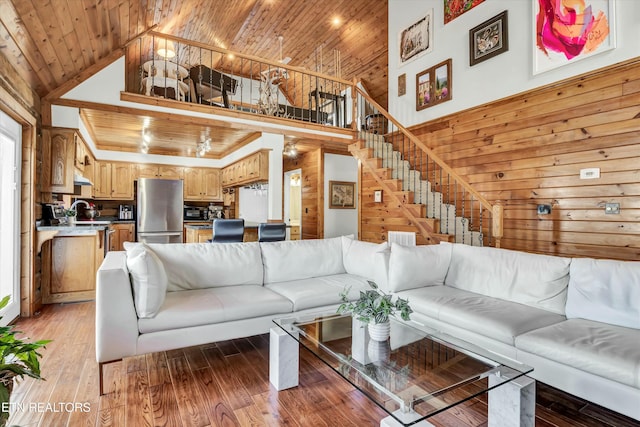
(590, 173)
(612, 208)
(377, 196)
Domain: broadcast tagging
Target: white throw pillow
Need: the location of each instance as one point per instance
(366, 259)
(605, 291)
(149, 279)
(417, 266)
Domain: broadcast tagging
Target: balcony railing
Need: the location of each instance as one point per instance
(160, 65)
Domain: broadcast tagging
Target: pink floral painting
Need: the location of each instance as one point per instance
(568, 30)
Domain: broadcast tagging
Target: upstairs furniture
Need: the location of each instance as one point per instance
(164, 78)
(272, 231)
(210, 85)
(228, 230)
(331, 107)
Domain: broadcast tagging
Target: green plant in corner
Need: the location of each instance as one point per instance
(374, 305)
(17, 359)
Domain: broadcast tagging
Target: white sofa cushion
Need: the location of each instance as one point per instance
(206, 265)
(606, 350)
(605, 291)
(416, 266)
(536, 280)
(148, 277)
(366, 259)
(319, 291)
(301, 259)
(492, 317)
(184, 309)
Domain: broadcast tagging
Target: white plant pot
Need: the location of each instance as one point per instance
(379, 331)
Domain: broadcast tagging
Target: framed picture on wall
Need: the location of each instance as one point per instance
(488, 39)
(565, 35)
(434, 85)
(402, 84)
(342, 195)
(455, 8)
(417, 39)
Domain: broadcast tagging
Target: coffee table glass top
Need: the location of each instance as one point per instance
(416, 371)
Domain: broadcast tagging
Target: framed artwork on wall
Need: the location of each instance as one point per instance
(564, 35)
(488, 39)
(434, 85)
(342, 195)
(455, 8)
(417, 39)
(402, 84)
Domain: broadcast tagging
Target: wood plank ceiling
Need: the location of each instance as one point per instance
(51, 43)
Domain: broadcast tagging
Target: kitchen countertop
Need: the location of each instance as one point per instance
(247, 224)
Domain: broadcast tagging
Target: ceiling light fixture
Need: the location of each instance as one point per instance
(204, 145)
(166, 48)
(290, 150)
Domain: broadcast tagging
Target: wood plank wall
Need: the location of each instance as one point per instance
(528, 149)
(312, 165)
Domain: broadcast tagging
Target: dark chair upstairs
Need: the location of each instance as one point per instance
(228, 230)
(272, 232)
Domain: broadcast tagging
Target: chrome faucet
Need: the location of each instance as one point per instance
(77, 202)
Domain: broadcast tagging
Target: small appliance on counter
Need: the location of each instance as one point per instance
(215, 212)
(193, 212)
(53, 214)
(125, 212)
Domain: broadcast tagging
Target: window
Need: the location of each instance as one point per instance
(10, 149)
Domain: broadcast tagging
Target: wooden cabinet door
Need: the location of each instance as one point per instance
(147, 171)
(102, 180)
(121, 181)
(80, 153)
(253, 167)
(170, 172)
(58, 153)
(192, 184)
(71, 277)
(211, 183)
(121, 233)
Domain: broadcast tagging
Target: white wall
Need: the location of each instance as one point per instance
(338, 222)
(500, 76)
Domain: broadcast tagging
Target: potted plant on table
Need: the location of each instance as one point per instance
(374, 307)
(17, 359)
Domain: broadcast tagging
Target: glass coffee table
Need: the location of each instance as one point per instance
(415, 374)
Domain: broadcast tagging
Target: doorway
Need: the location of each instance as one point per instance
(10, 170)
(293, 203)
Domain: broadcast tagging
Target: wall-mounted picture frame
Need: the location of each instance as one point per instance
(402, 84)
(434, 85)
(416, 40)
(342, 195)
(489, 39)
(585, 32)
(455, 8)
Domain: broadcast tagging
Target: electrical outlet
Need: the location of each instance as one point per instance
(544, 209)
(612, 208)
(590, 173)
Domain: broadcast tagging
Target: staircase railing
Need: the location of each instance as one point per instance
(458, 207)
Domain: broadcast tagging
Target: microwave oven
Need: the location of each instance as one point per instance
(192, 213)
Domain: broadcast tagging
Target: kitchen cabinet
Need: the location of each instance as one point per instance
(159, 171)
(198, 235)
(253, 168)
(294, 232)
(113, 181)
(120, 233)
(80, 160)
(202, 184)
(58, 154)
(66, 276)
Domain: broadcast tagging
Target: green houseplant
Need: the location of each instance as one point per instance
(18, 358)
(374, 307)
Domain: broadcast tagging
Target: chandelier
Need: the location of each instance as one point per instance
(290, 150)
(204, 145)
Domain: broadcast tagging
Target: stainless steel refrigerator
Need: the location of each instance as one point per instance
(160, 209)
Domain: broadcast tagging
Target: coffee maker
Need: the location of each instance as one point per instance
(215, 212)
(125, 212)
(52, 214)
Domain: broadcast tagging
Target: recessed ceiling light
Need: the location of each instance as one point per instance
(336, 21)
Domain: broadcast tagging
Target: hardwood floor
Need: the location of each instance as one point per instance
(219, 384)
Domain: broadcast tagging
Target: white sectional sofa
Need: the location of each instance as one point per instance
(576, 321)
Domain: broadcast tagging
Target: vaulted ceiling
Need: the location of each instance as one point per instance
(51, 42)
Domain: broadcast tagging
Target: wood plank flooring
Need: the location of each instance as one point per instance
(219, 384)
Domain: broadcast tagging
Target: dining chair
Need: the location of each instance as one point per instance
(271, 231)
(228, 230)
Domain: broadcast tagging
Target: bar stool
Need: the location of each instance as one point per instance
(228, 230)
(271, 231)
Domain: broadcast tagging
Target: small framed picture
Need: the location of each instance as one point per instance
(342, 195)
(434, 85)
(488, 39)
(402, 84)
